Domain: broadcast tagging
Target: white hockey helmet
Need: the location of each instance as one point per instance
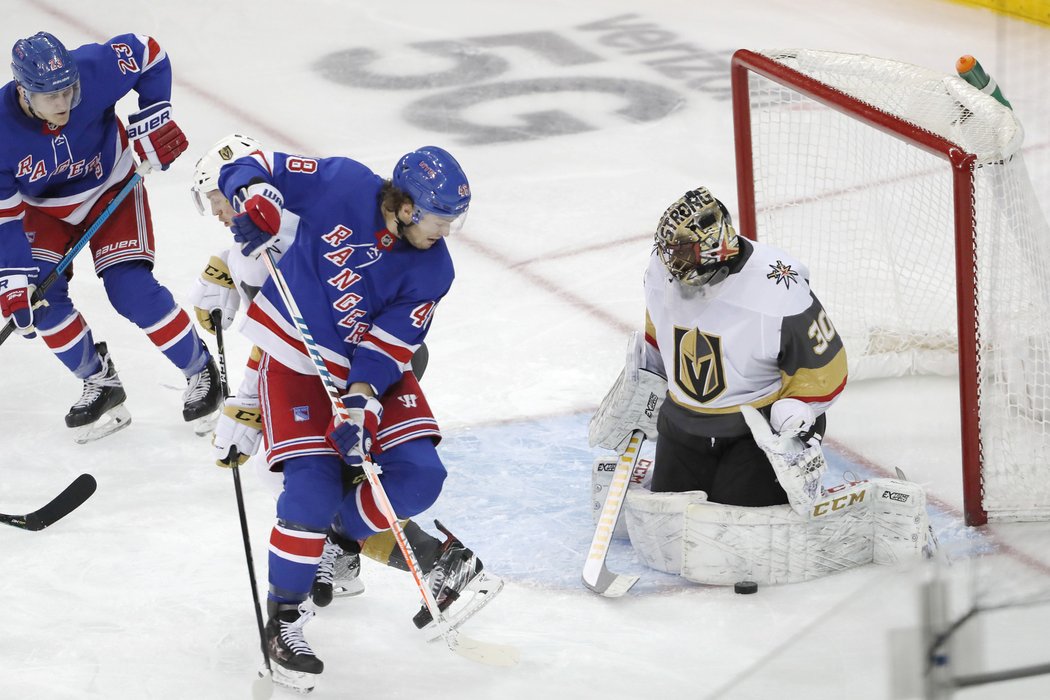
(206, 173)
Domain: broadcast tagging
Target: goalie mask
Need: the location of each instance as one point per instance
(696, 239)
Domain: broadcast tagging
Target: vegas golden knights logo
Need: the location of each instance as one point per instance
(699, 371)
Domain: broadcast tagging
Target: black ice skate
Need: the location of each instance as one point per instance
(202, 399)
(293, 663)
(100, 410)
(458, 575)
(337, 574)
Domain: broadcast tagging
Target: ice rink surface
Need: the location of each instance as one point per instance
(578, 124)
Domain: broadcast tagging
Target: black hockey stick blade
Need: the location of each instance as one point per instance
(60, 506)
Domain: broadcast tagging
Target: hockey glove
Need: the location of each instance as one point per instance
(238, 432)
(260, 205)
(157, 138)
(799, 463)
(353, 438)
(214, 291)
(790, 418)
(15, 295)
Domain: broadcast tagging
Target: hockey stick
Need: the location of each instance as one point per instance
(60, 506)
(263, 687)
(596, 575)
(143, 168)
(482, 652)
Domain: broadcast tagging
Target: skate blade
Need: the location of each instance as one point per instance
(116, 418)
(296, 681)
(205, 425)
(477, 594)
(348, 589)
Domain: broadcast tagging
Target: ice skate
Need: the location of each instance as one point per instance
(293, 663)
(460, 586)
(337, 575)
(202, 399)
(100, 410)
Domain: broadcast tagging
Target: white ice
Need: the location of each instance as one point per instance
(143, 592)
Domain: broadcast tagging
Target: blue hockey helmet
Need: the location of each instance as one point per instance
(435, 182)
(41, 64)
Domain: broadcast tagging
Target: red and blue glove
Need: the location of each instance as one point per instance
(260, 205)
(157, 138)
(15, 301)
(353, 438)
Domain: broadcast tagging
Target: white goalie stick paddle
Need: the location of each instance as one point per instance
(596, 574)
(481, 652)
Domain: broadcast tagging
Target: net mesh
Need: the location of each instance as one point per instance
(873, 217)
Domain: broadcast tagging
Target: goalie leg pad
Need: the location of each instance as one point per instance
(655, 522)
(901, 525)
(773, 544)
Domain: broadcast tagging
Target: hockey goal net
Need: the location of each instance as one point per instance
(904, 191)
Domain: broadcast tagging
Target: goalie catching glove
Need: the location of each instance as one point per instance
(793, 450)
(214, 291)
(632, 403)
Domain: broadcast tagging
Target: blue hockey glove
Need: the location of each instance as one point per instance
(353, 438)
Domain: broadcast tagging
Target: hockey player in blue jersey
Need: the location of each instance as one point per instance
(368, 267)
(229, 282)
(64, 154)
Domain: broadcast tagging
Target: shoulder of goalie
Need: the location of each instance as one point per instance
(632, 403)
(881, 521)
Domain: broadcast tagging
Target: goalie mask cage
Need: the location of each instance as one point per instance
(904, 191)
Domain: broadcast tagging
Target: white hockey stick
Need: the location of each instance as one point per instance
(596, 575)
(482, 652)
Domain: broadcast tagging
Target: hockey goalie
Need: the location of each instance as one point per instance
(737, 367)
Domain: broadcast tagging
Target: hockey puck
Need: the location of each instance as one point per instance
(745, 587)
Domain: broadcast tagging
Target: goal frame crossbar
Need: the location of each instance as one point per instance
(962, 166)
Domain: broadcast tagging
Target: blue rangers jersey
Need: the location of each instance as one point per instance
(366, 295)
(64, 170)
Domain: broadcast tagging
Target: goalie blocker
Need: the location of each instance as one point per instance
(632, 403)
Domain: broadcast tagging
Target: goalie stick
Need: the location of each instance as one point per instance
(596, 574)
(60, 506)
(481, 652)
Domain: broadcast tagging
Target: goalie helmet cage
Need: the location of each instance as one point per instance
(904, 191)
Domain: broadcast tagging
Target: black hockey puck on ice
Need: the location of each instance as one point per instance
(745, 587)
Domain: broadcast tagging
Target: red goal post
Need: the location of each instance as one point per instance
(905, 192)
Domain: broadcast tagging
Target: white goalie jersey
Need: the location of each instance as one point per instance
(758, 336)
